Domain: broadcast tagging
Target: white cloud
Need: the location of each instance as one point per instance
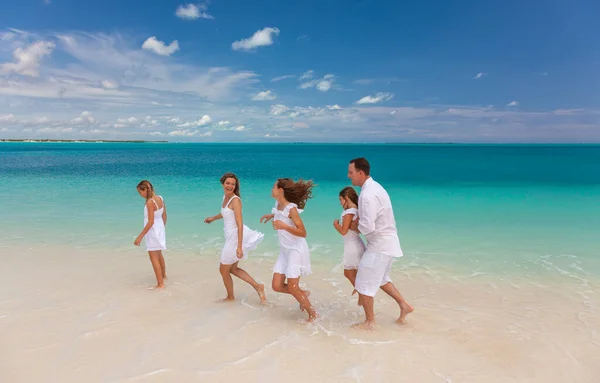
(301, 125)
(223, 123)
(513, 103)
(27, 60)
(159, 47)
(264, 96)
(478, 76)
(192, 12)
(85, 118)
(567, 112)
(263, 37)
(324, 84)
(379, 97)
(7, 118)
(110, 84)
(284, 77)
(183, 132)
(201, 122)
(240, 128)
(370, 81)
(307, 75)
(279, 109)
(128, 121)
(55, 130)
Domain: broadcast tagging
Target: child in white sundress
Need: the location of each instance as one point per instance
(155, 220)
(354, 247)
(239, 238)
(294, 256)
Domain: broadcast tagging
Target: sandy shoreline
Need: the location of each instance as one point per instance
(87, 315)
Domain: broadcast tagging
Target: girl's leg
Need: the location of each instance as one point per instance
(225, 271)
(162, 265)
(155, 260)
(293, 288)
(351, 275)
(244, 276)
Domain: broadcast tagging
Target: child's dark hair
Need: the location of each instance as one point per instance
(296, 192)
(349, 192)
(224, 177)
(147, 187)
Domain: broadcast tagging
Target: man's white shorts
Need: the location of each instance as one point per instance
(373, 272)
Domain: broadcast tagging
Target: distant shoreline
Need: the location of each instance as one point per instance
(79, 141)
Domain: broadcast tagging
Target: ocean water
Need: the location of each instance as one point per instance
(464, 209)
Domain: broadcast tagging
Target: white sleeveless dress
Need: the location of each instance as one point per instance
(250, 239)
(354, 247)
(294, 256)
(155, 238)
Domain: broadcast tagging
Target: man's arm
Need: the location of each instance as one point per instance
(367, 215)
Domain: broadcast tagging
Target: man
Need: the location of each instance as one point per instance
(377, 224)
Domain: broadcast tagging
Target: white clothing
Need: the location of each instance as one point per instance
(155, 238)
(250, 238)
(354, 247)
(377, 222)
(294, 256)
(373, 272)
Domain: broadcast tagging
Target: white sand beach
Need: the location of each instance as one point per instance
(81, 315)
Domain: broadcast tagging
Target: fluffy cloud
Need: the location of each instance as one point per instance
(284, 77)
(192, 12)
(110, 84)
(478, 76)
(264, 96)
(260, 38)
(379, 97)
(201, 122)
(512, 104)
(159, 47)
(85, 118)
(323, 84)
(27, 60)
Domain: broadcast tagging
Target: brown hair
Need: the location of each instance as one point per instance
(361, 164)
(224, 177)
(296, 192)
(147, 187)
(349, 192)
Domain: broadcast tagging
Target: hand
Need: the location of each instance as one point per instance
(336, 223)
(209, 220)
(240, 253)
(137, 241)
(266, 218)
(279, 225)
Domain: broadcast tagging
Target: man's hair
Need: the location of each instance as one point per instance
(362, 164)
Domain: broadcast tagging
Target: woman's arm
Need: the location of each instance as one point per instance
(236, 206)
(213, 218)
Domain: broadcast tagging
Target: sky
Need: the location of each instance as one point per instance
(301, 71)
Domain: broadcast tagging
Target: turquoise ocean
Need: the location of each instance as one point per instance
(527, 210)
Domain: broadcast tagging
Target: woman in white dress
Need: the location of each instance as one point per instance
(155, 220)
(354, 247)
(294, 256)
(239, 238)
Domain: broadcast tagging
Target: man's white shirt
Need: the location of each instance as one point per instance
(376, 220)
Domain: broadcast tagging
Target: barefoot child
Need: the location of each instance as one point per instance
(239, 239)
(155, 220)
(354, 247)
(294, 256)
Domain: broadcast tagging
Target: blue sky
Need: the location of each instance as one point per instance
(314, 71)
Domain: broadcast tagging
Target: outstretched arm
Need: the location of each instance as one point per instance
(213, 218)
(266, 218)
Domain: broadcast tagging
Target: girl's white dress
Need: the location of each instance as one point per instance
(294, 256)
(250, 239)
(155, 238)
(354, 247)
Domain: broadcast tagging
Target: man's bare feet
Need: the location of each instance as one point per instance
(260, 289)
(364, 326)
(226, 300)
(405, 309)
